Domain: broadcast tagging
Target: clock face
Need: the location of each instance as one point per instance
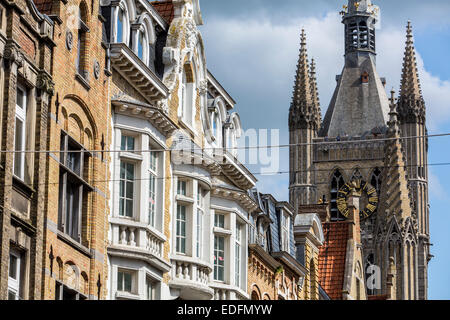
(366, 190)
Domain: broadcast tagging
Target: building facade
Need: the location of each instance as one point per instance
(26, 91)
(351, 148)
(179, 202)
(77, 170)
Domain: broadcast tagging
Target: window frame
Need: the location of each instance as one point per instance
(133, 284)
(123, 195)
(14, 283)
(217, 222)
(68, 176)
(238, 254)
(20, 115)
(217, 265)
(181, 237)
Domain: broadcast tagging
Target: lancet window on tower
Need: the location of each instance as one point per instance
(337, 182)
(375, 180)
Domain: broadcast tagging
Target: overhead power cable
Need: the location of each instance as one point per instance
(344, 140)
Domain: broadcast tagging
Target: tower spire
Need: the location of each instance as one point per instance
(314, 90)
(411, 104)
(302, 111)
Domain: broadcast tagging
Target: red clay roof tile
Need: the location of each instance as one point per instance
(165, 9)
(332, 258)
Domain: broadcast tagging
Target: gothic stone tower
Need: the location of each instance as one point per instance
(350, 146)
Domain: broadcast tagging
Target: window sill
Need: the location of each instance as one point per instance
(184, 199)
(127, 295)
(131, 156)
(222, 231)
(78, 246)
(83, 81)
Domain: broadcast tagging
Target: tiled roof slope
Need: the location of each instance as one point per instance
(332, 258)
(44, 6)
(165, 9)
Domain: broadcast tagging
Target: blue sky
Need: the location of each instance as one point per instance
(252, 49)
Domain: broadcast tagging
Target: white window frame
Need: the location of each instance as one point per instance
(216, 215)
(153, 187)
(133, 274)
(217, 266)
(238, 255)
(199, 222)
(187, 101)
(182, 187)
(150, 285)
(14, 283)
(126, 137)
(125, 180)
(181, 238)
(20, 115)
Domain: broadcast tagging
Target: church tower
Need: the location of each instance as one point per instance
(364, 143)
(304, 123)
(411, 108)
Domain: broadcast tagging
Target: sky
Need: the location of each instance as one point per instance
(252, 49)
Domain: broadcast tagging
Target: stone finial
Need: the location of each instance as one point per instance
(304, 109)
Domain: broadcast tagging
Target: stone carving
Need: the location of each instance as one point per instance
(96, 69)
(69, 40)
(13, 54)
(44, 82)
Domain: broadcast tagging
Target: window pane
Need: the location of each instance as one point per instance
(127, 282)
(141, 46)
(152, 200)
(181, 229)
(20, 98)
(219, 221)
(12, 295)
(181, 188)
(120, 281)
(120, 26)
(13, 266)
(219, 258)
(19, 157)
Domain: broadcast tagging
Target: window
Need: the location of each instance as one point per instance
(182, 188)
(219, 220)
(187, 96)
(181, 229)
(238, 255)
(72, 186)
(127, 143)
(337, 182)
(150, 289)
(81, 48)
(20, 133)
(62, 292)
(126, 191)
(120, 25)
(199, 222)
(152, 188)
(285, 233)
(219, 258)
(125, 281)
(214, 124)
(14, 277)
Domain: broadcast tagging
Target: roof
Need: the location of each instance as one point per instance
(44, 6)
(165, 9)
(332, 256)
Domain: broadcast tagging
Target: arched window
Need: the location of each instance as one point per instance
(83, 29)
(337, 182)
(375, 180)
(255, 295)
(122, 23)
(356, 175)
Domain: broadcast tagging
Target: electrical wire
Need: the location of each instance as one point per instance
(345, 141)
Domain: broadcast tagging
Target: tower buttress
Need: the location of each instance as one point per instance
(304, 123)
(412, 116)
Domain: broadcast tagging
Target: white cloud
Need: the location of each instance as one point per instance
(436, 190)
